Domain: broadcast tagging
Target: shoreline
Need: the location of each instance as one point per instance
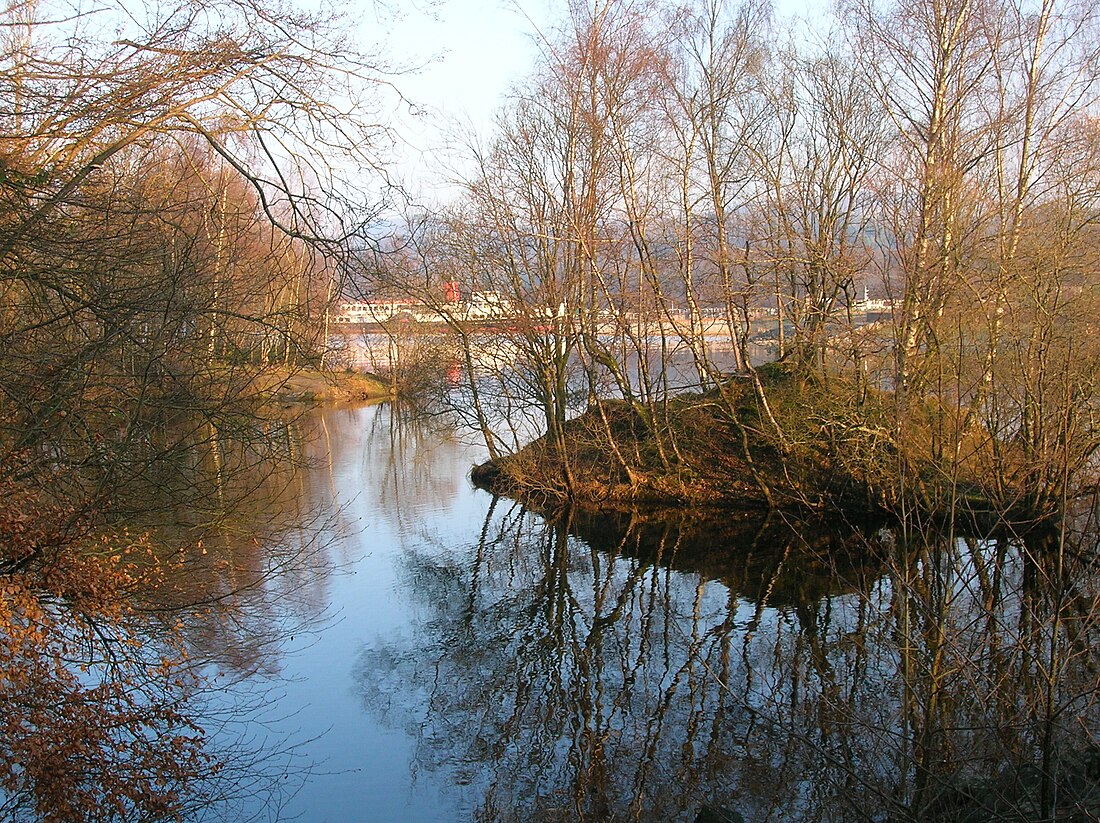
(720, 457)
(307, 387)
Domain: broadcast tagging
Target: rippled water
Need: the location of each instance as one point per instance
(457, 657)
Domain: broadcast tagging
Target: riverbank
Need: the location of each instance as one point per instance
(778, 442)
(306, 386)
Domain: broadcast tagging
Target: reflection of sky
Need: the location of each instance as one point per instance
(399, 487)
(412, 525)
(410, 528)
(474, 661)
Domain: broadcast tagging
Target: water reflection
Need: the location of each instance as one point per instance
(308, 572)
(247, 576)
(139, 655)
(637, 668)
(596, 670)
(267, 561)
(255, 569)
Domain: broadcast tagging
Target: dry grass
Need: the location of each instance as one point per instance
(313, 386)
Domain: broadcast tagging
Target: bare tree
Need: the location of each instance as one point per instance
(162, 170)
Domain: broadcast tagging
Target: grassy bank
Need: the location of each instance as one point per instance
(783, 442)
(307, 386)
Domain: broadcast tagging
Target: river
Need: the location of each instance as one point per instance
(448, 656)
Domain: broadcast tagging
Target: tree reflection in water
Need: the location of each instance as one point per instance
(247, 576)
(603, 670)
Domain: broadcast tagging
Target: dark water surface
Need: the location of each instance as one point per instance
(461, 659)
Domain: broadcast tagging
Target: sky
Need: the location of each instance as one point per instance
(479, 47)
(467, 54)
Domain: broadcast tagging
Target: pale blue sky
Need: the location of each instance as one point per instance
(479, 46)
(470, 53)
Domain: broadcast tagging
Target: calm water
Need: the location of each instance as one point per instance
(445, 656)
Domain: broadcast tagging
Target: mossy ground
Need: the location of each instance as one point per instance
(812, 445)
